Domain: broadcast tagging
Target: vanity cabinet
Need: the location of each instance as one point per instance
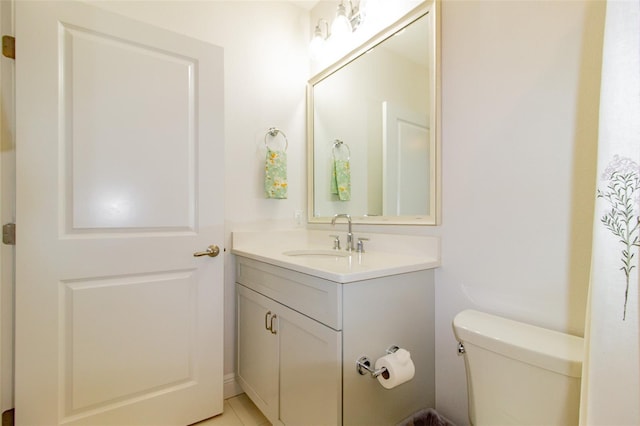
(288, 363)
(299, 337)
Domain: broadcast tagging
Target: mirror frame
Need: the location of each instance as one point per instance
(431, 9)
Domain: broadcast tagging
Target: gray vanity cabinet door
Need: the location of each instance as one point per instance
(257, 351)
(288, 364)
(310, 361)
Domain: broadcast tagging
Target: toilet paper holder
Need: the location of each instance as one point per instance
(363, 364)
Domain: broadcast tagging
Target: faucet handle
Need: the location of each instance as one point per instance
(360, 247)
(336, 241)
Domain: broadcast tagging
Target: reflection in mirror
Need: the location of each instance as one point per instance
(373, 141)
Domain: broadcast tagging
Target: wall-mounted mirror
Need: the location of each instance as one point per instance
(373, 128)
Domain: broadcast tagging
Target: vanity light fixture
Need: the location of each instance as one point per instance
(344, 23)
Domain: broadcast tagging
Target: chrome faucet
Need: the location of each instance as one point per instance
(349, 246)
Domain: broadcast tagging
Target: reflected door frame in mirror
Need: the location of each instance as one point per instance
(326, 195)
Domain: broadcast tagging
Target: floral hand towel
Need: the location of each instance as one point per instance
(341, 180)
(275, 174)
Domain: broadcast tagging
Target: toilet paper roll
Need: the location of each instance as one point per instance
(400, 368)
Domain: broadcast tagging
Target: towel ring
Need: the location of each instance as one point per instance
(337, 144)
(273, 132)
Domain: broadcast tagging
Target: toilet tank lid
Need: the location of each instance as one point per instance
(549, 349)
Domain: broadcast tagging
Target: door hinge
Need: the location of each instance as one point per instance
(9, 234)
(9, 46)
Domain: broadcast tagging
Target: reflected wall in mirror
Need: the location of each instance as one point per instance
(373, 128)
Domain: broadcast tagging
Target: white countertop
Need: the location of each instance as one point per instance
(385, 254)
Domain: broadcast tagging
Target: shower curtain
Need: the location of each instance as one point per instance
(611, 371)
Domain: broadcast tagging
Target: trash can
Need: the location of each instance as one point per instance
(426, 417)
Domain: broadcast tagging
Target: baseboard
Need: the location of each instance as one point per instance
(231, 386)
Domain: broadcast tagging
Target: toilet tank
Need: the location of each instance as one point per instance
(519, 374)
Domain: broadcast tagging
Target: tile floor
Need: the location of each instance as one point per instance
(238, 411)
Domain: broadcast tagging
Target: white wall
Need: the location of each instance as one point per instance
(520, 112)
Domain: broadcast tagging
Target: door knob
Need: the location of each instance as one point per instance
(212, 251)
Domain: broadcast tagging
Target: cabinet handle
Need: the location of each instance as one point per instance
(273, 330)
(266, 321)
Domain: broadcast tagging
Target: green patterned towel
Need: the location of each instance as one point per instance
(275, 174)
(341, 180)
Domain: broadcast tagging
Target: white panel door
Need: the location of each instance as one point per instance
(119, 181)
(406, 152)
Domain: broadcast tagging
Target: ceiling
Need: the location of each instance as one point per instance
(305, 4)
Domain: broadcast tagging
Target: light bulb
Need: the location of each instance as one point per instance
(340, 27)
(315, 47)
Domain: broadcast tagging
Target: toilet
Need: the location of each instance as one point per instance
(519, 374)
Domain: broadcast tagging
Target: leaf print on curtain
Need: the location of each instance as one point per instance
(622, 193)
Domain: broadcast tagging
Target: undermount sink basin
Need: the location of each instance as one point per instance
(316, 253)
